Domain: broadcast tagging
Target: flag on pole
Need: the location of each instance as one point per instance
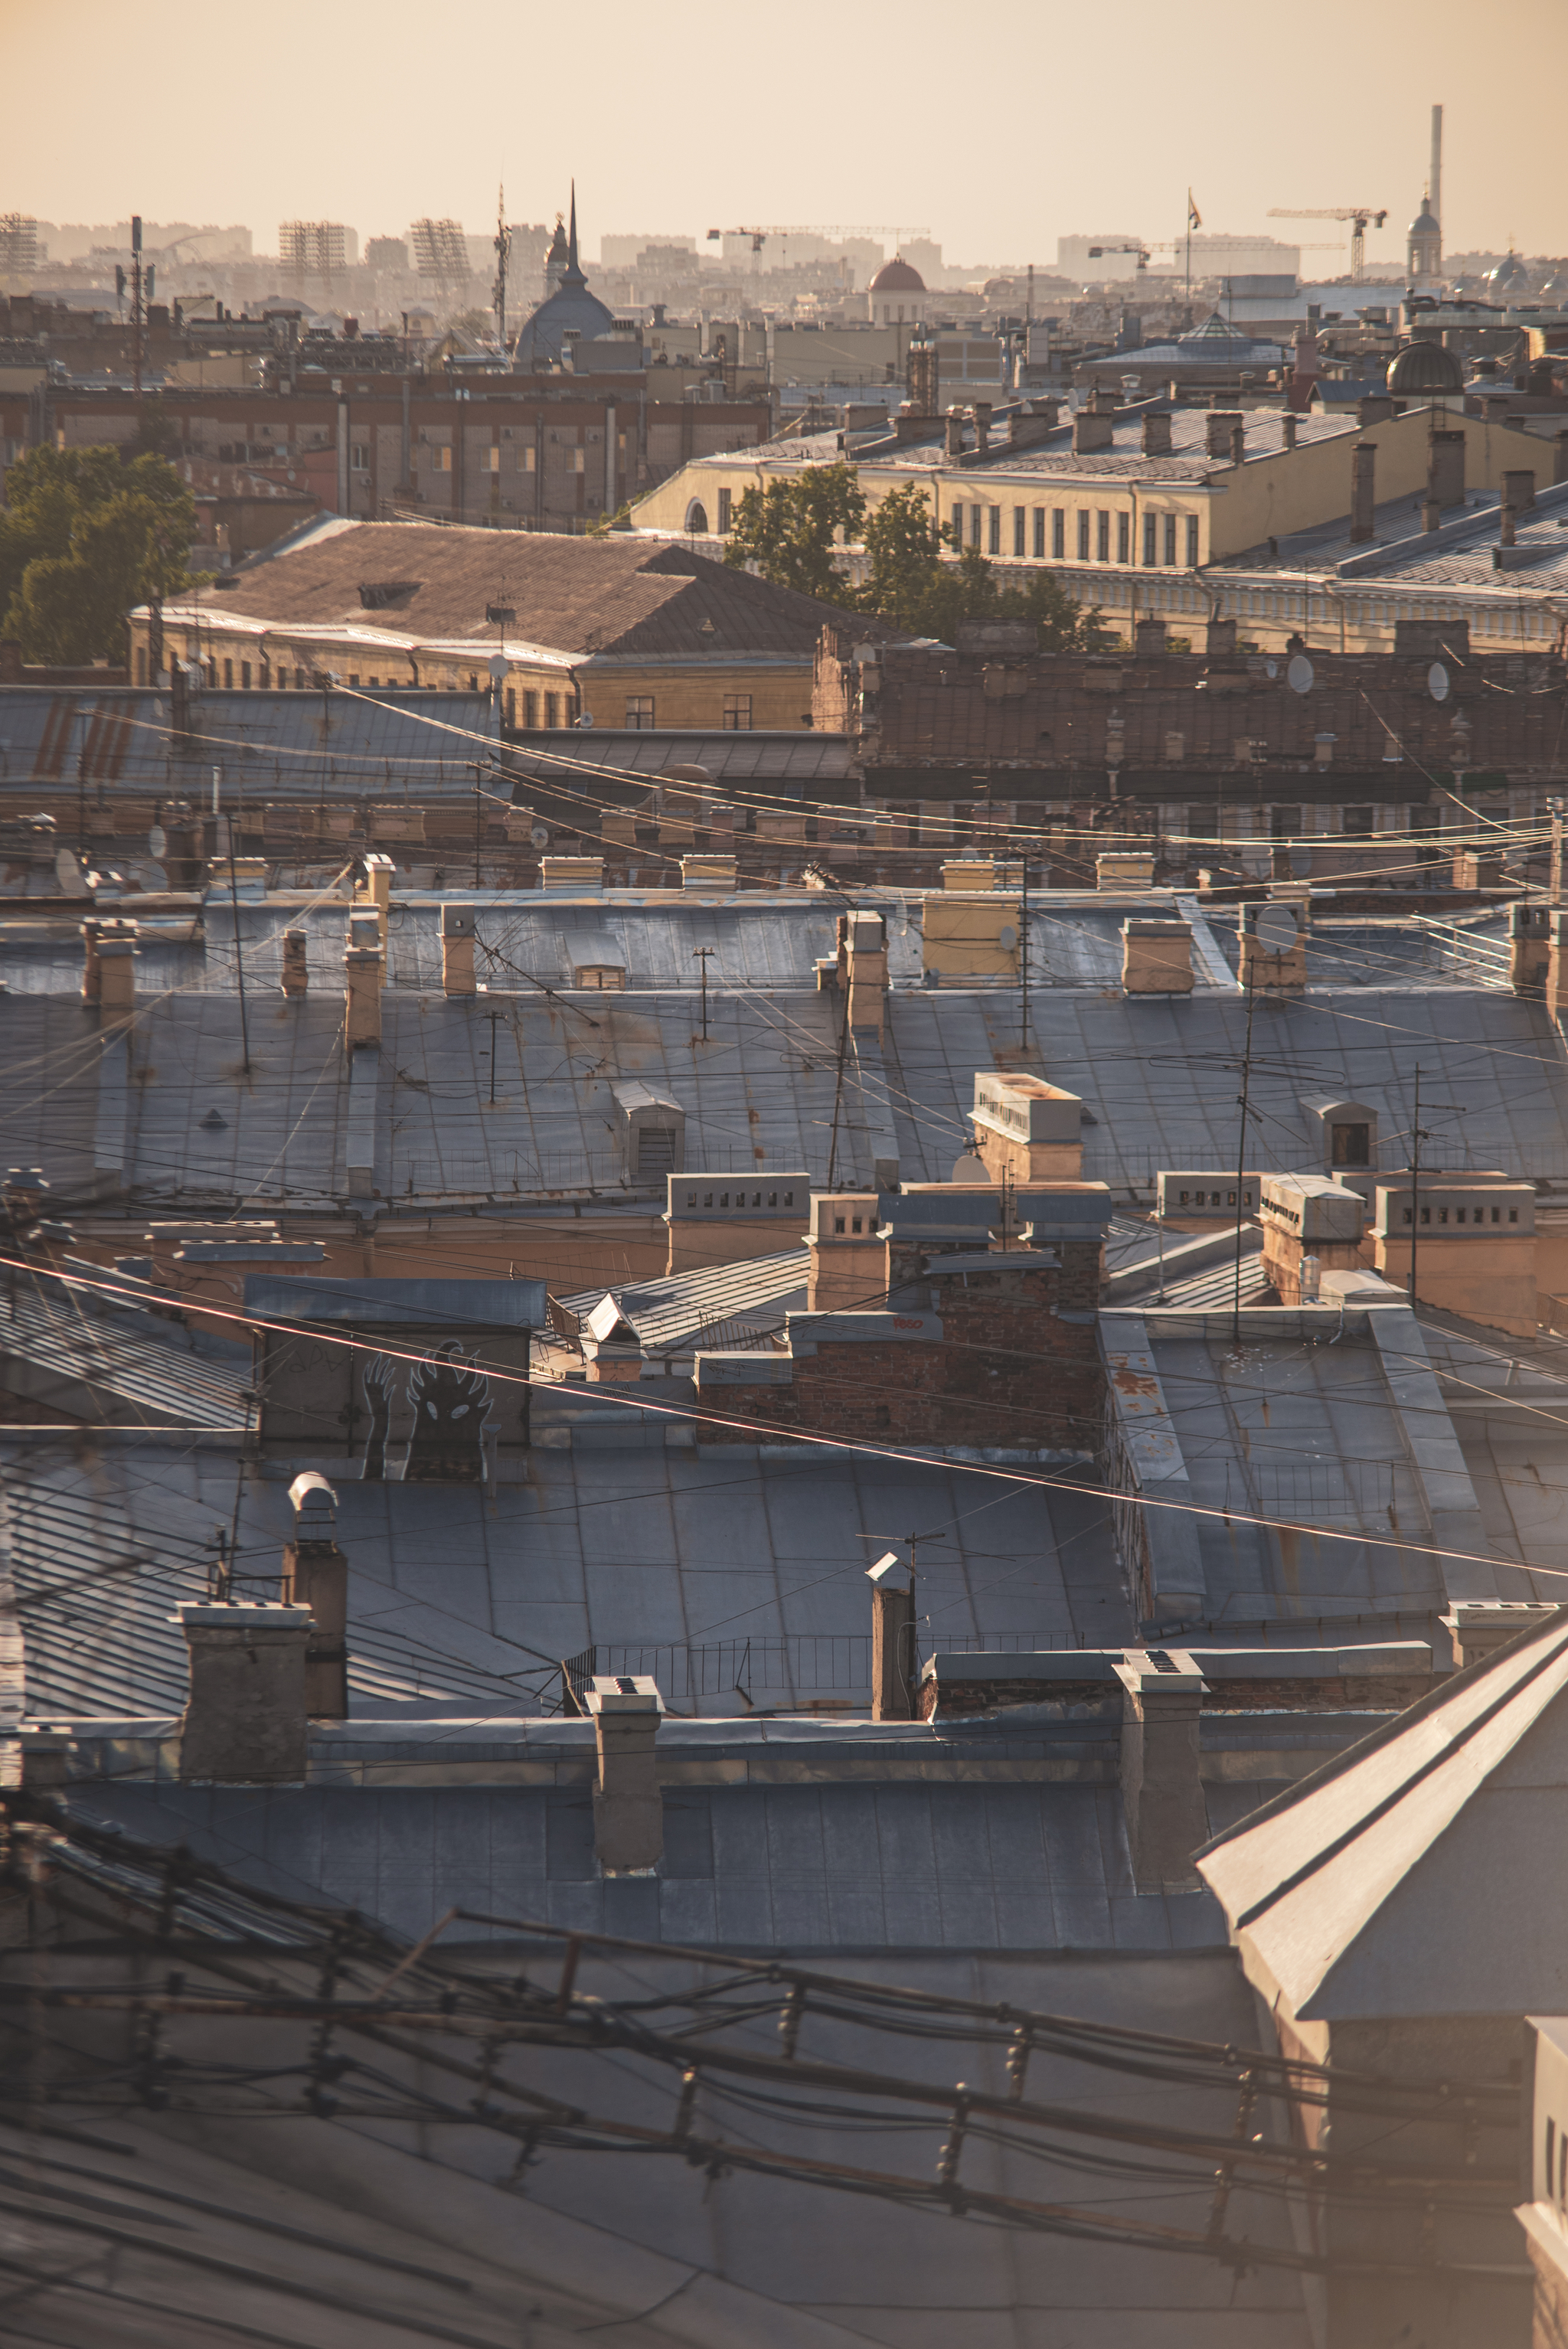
(1194, 217)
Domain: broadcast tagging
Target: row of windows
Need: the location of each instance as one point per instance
(723, 1199)
(1477, 1214)
(981, 527)
(737, 718)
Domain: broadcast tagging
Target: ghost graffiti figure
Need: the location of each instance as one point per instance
(450, 1401)
(378, 1392)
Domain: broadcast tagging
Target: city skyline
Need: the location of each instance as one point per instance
(1102, 150)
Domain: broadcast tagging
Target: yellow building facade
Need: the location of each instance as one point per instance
(1137, 539)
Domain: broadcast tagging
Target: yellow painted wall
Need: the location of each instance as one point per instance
(689, 695)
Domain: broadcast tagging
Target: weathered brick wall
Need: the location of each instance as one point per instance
(1007, 1372)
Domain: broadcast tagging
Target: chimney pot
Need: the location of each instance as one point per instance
(1291, 426)
(1363, 491)
(245, 1722)
(628, 1808)
(1167, 1819)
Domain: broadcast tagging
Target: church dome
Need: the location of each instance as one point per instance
(1425, 370)
(1424, 225)
(1510, 276)
(896, 277)
(570, 313)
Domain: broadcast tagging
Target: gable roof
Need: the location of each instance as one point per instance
(1421, 1873)
(576, 596)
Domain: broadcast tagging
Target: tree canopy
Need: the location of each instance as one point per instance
(87, 534)
(788, 528)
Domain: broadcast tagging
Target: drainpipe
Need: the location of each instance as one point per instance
(404, 478)
(342, 452)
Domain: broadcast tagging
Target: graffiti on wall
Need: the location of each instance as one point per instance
(428, 1419)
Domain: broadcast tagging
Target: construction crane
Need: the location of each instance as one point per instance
(759, 236)
(1358, 215)
(1098, 252)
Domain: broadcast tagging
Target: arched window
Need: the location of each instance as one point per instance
(696, 517)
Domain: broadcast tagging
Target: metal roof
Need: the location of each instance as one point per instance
(463, 1602)
(107, 1362)
(721, 1305)
(120, 738)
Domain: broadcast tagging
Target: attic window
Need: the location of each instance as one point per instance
(377, 594)
(500, 616)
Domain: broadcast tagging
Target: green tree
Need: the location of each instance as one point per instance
(786, 529)
(86, 536)
(908, 583)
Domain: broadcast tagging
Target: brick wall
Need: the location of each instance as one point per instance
(1007, 1372)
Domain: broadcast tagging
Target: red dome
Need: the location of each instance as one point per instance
(896, 277)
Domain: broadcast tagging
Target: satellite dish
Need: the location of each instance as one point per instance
(70, 875)
(970, 1169)
(539, 837)
(1275, 929)
(1007, 937)
(1299, 675)
(157, 841)
(1438, 682)
(498, 667)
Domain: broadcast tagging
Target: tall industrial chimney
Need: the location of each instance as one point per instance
(1435, 199)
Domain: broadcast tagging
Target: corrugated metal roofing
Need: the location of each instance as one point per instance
(132, 1366)
(120, 739)
(751, 1295)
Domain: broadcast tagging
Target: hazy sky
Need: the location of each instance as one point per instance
(999, 130)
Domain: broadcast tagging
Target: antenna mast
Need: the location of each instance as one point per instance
(502, 257)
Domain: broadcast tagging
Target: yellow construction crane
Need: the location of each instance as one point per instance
(1358, 215)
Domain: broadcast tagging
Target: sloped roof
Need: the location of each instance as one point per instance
(1421, 1873)
(576, 596)
(721, 1305)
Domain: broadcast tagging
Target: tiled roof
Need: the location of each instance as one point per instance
(572, 595)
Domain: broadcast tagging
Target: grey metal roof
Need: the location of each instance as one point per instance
(1317, 1422)
(804, 1867)
(721, 1305)
(463, 1602)
(104, 1362)
(120, 739)
(1157, 1076)
(731, 757)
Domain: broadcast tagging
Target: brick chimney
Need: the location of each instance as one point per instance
(981, 412)
(373, 890)
(953, 426)
(1156, 958)
(1290, 425)
(1239, 442)
(572, 876)
(1518, 496)
(108, 965)
(1149, 640)
(862, 967)
(365, 972)
(1026, 1129)
(629, 1808)
(296, 969)
(1363, 491)
(1529, 949)
(1446, 469)
(1219, 423)
(1480, 1627)
(458, 950)
(894, 1662)
(245, 1722)
(1220, 639)
(1092, 432)
(1163, 1794)
(315, 1577)
(1157, 434)
(849, 1267)
(1376, 409)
